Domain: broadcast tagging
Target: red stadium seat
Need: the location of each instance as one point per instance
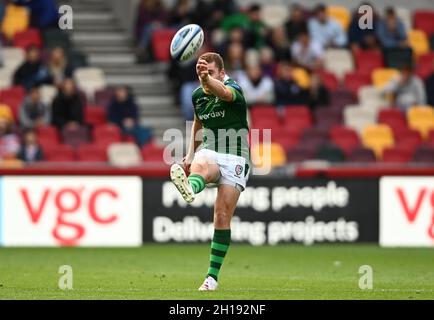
(355, 80)
(424, 20)
(286, 137)
(15, 91)
(301, 153)
(152, 152)
(27, 38)
(59, 153)
(368, 60)
(161, 40)
(13, 97)
(342, 98)
(107, 133)
(326, 118)
(259, 112)
(407, 137)
(48, 132)
(397, 155)
(264, 123)
(425, 65)
(393, 117)
(345, 138)
(95, 115)
(297, 117)
(314, 136)
(91, 153)
(329, 80)
(75, 136)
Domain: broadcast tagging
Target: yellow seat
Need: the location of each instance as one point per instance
(6, 113)
(11, 163)
(301, 77)
(377, 137)
(419, 42)
(341, 15)
(16, 19)
(421, 118)
(382, 76)
(271, 154)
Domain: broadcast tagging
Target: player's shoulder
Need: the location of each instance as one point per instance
(232, 83)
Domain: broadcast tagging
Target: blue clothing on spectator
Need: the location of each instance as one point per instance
(327, 34)
(390, 39)
(118, 111)
(359, 35)
(44, 13)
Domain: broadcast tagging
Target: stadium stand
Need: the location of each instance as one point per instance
(358, 123)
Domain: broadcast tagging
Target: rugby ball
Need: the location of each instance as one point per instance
(186, 42)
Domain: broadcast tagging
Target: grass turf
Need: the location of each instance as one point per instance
(176, 271)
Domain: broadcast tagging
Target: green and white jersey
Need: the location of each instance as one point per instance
(224, 123)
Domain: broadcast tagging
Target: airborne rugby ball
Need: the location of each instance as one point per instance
(186, 42)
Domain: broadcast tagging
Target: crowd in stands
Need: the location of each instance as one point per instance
(312, 74)
(45, 111)
(318, 58)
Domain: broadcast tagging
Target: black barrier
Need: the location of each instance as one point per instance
(270, 211)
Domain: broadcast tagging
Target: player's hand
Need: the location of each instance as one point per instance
(202, 69)
(186, 163)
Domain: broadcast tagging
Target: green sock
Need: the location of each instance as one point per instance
(197, 182)
(219, 247)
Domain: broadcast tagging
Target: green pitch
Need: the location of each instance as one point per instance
(176, 271)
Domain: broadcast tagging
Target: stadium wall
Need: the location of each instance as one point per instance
(123, 207)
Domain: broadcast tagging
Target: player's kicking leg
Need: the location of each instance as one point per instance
(202, 171)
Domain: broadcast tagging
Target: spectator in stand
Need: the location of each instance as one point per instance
(277, 41)
(287, 90)
(181, 14)
(391, 31)
(9, 141)
(407, 90)
(184, 80)
(267, 61)
(429, 86)
(32, 71)
(67, 107)
(34, 112)
(296, 23)
(123, 111)
(325, 30)
(307, 53)
(359, 38)
(210, 14)
(234, 58)
(30, 150)
(254, 28)
(152, 15)
(319, 95)
(236, 35)
(58, 67)
(257, 88)
(44, 13)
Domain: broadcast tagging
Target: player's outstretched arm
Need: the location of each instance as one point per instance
(211, 85)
